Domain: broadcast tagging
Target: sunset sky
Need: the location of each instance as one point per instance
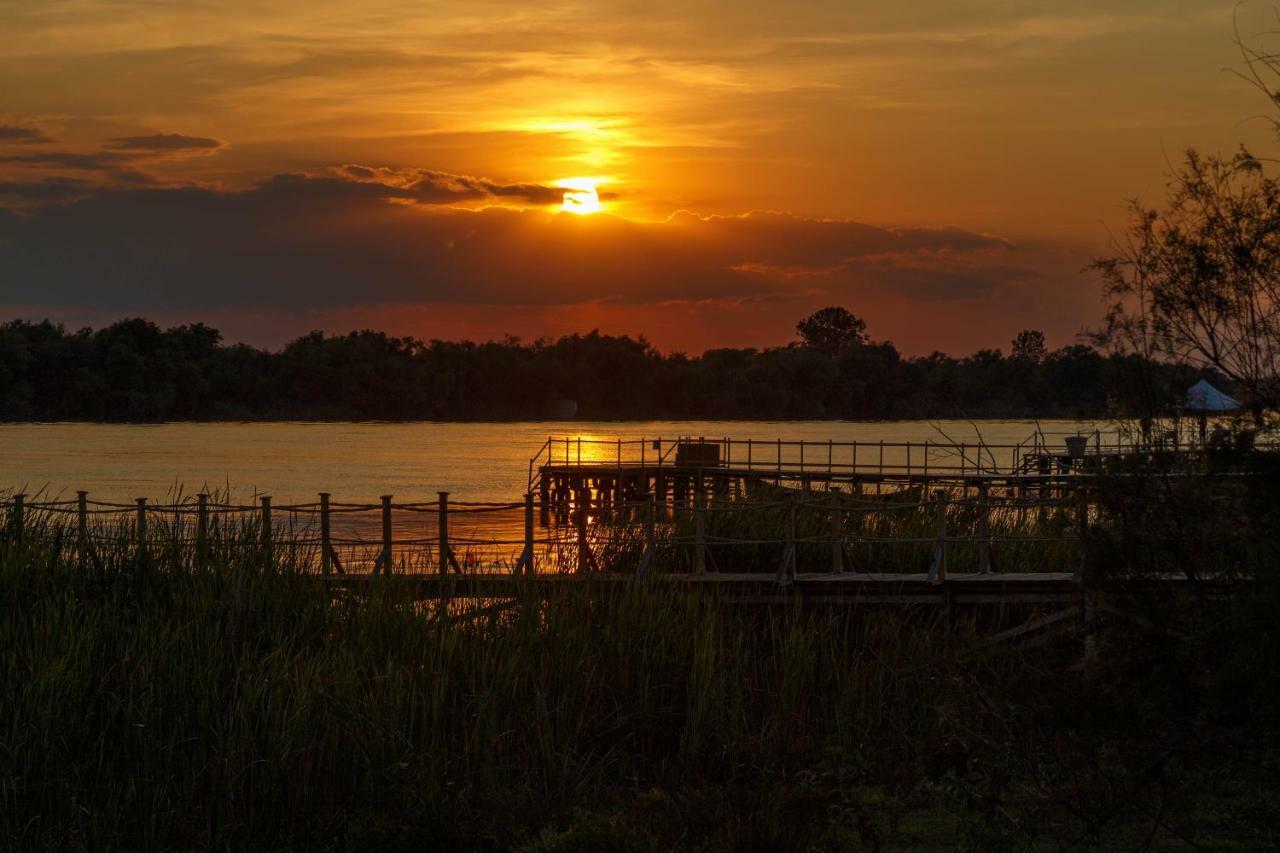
(943, 169)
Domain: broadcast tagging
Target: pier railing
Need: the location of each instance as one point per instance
(799, 458)
(821, 532)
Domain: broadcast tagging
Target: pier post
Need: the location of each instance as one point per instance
(446, 556)
(142, 528)
(266, 531)
(326, 547)
(837, 534)
(388, 557)
(700, 530)
(787, 566)
(1082, 522)
(525, 563)
(984, 528)
(580, 521)
(938, 568)
(202, 530)
(544, 492)
(650, 541)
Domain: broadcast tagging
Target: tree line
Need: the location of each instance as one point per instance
(134, 370)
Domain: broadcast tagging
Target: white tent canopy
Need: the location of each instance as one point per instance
(1203, 397)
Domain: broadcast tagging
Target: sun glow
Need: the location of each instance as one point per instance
(580, 195)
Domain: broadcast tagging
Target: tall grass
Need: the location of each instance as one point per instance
(893, 533)
(147, 702)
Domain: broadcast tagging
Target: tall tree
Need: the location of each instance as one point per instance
(1199, 281)
(1029, 345)
(831, 330)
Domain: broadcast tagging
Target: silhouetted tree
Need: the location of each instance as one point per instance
(830, 330)
(1199, 282)
(135, 371)
(1029, 346)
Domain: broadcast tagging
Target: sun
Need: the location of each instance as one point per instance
(580, 195)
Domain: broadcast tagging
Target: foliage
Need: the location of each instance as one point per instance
(135, 371)
(1029, 345)
(832, 330)
(1199, 282)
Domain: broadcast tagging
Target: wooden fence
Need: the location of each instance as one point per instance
(831, 533)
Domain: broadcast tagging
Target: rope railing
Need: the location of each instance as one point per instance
(383, 537)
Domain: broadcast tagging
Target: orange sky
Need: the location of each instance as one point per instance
(944, 170)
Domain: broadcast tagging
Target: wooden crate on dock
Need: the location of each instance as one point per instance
(701, 453)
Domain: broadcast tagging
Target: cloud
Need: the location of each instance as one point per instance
(47, 190)
(164, 143)
(432, 187)
(115, 154)
(91, 161)
(304, 242)
(12, 133)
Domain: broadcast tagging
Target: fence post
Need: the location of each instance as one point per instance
(326, 547)
(700, 530)
(142, 528)
(266, 531)
(82, 527)
(837, 535)
(445, 554)
(580, 522)
(787, 566)
(388, 556)
(984, 528)
(650, 541)
(16, 520)
(202, 529)
(525, 563)
(938, 568)
(1082, 520)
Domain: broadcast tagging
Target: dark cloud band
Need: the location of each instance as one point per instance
(12, 133)
(165, 142)
(304, 242)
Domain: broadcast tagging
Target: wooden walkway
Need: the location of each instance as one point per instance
(988, 589)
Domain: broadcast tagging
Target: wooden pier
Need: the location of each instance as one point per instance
(574, 471)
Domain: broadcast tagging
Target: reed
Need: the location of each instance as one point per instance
(153, 701)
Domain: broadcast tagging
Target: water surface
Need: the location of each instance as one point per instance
(294, 461)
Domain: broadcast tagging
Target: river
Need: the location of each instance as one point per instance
(293, 461)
